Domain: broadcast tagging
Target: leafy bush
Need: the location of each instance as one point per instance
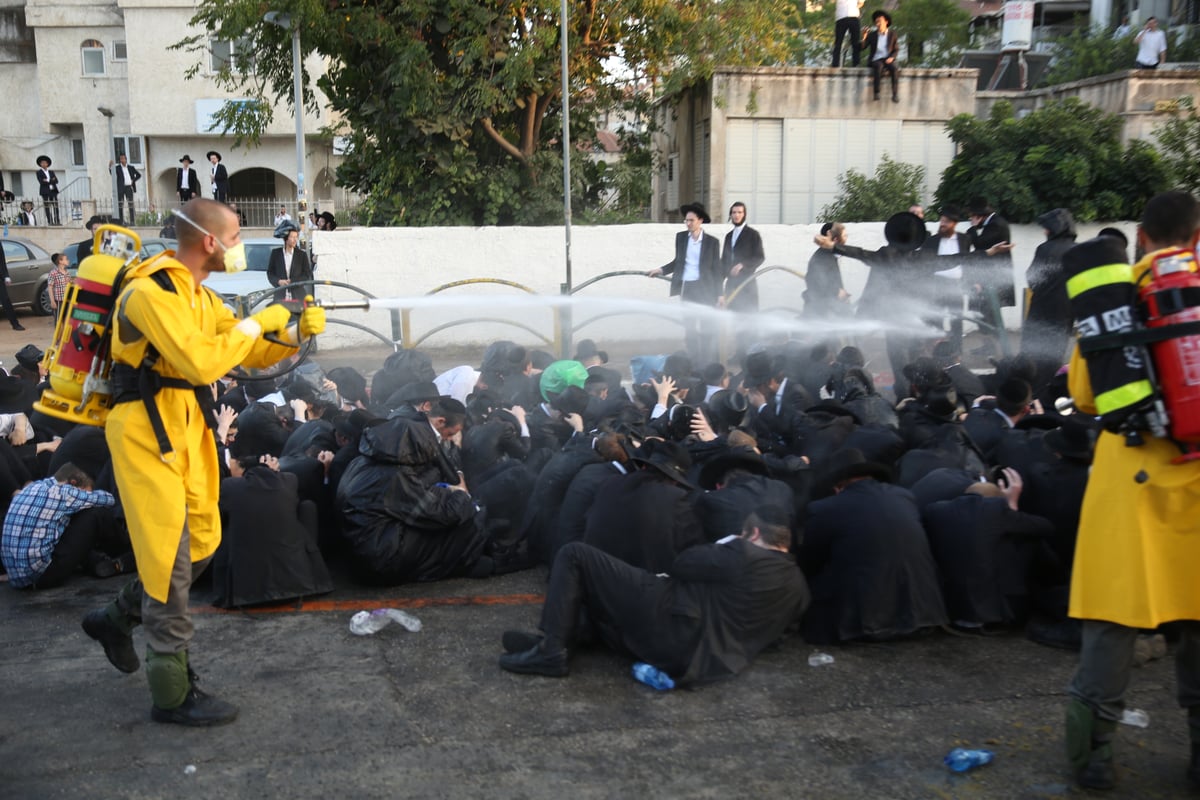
(1086, 52)
(895, 187)
(1067, 154)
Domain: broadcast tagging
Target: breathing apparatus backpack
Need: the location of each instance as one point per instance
(79, 360)
(1140, 335)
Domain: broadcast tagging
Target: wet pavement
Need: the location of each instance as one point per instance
(429, 714)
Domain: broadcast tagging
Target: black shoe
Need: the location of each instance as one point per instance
(895, 99)
(875, 98)
(1065, 634)
(107, 567)
(1098, 774)
(520, 641)
(199, 710)
(535, 661)
(18, 326)
(118, 645)
(1193, 773)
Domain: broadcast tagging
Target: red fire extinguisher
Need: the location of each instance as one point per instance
(1171, 296)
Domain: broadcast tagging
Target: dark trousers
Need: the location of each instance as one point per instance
(89, 529)
(126, 201)
(699, 331)
(1106, 660)
(852, 27)
(6, 304)
(629, 608)
(902, 349)
(878, 67)
(221, 192)
(50, 204)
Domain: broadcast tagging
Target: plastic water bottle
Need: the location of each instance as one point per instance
(820, 660)
(961, 760)
(1135, 717)
(365, 623)
(653, 677)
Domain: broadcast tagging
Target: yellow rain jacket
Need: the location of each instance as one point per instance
(194, 334)
(1139, 531)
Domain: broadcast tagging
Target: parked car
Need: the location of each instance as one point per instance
(27, 267)
(150, 247)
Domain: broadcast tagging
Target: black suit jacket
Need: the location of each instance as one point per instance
(301, 271)
(712, 276)
(193, 181)
(221, 177)
(869, 562)
(119, 177)
(47, 183)
(643, 519)
(991, 271)
(893, 44)
(749, 253)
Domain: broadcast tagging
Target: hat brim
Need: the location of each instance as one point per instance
(212, 153)
(863, 469)
(715, 468)
(677, 477)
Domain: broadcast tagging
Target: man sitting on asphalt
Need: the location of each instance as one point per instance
(719, 606)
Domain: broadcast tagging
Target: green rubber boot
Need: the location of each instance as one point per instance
(1089, 747)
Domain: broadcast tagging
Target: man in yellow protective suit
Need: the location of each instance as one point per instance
(1137, 551)
(171, 339)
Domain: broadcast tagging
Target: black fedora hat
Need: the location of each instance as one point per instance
(1071, 441)
(669, 458)
(186, 158)
(45, 158)
(978, 206)
(882, 13)
(587, 349)
(728, 407)
(735, 458)
(759, 368)
(212, 153)
(905, 231)
(950, 211)
(850, 463)
(418, 392)
(698, 210)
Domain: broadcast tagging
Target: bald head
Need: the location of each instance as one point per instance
(213, 217)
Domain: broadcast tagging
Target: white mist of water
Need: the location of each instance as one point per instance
(905, 315)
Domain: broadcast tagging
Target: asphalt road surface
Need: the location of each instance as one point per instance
(325, 713)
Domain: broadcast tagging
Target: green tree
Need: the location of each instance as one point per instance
(936, 31)
(895, 187)
(1179, 140)
(1086, 52)
(1067, 154)
(453, 107)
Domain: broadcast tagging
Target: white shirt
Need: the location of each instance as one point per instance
(847, 8)
(948, 246)
(691, 262)
(283, 217)
(125, 173)
(881, 46)
(737, 231)
(183, 183)
(1151, 43)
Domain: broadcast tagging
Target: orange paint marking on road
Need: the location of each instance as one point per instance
(394, 602)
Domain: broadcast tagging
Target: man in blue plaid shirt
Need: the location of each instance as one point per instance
(51, 528)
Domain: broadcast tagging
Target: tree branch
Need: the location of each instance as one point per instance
(505, 144)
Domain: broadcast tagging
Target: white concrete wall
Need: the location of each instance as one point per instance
(409, 262)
